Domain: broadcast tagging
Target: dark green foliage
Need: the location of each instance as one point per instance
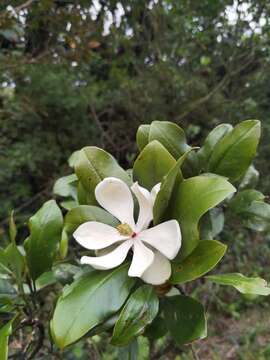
(194, 63)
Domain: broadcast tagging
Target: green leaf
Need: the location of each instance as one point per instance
(93, 165)
(257, 216)
(12, 228)
(202, 259)
(243, 199)
(6, 290)
(84, 213)
(156, 329)
(84, 197)
(73, 158)
(139, 311)
(5, 332)
(171, 136)
(45, 235)
(185, 319)
(88, 302)
(15, 260)
(152, 164)
(250, 179)
(253, 212)
(210, 142)
(69, 204)
(234, 153)
(245, 285)
(66, 186)
(212, 224)
(168, 186)
(142, 136)
(194, 197)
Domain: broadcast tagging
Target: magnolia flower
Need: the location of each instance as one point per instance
(152, 248)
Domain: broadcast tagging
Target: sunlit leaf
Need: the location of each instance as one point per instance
(245, 285)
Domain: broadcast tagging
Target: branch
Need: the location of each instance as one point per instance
(218, 87)
(23, 6)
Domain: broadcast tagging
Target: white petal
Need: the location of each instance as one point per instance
(111, 260)
(94, 235)
(159, 271)
(165, 237)
(114, 196)
(155, 191)
(142, 259)
(146, 207)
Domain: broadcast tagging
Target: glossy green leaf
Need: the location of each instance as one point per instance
(14, 260)
(73, 158)
(93, 165)
(152, 164)
(89, 301)
(170, 135)
(6, 290)
(253, 212)
(142, 136)
(257, 216)
(243, 199)
(5, 332)
(156, 329)
(245, 285)
(45, 235)
(66, 186)
(185, 319)
(250, 179)
(69, 204)
(139, 311)
(85, 197)
(202, 259)
(84, 213)
(194, 197)
(212, 224)
(168, 186)
(210, 142)
(234, 153)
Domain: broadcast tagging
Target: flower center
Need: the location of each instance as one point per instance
(125, 230)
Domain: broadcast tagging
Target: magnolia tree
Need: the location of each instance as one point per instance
(122, 244)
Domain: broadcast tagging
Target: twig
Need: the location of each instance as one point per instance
(218, 87)
(99, 125)
(194, 353)
(23, 6)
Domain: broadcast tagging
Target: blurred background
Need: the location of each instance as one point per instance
(76, 73)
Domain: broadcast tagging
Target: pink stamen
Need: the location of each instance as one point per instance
(133, 235)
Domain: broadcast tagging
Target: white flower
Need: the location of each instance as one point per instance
(151, 247)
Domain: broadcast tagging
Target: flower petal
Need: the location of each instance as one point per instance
(110, 260)
(142, 259)
(114, 196)
(165, 237)
(159, 271)
(155, 191)
(94, 235)
(146, 206)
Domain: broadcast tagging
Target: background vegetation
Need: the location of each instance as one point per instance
(76, 73)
